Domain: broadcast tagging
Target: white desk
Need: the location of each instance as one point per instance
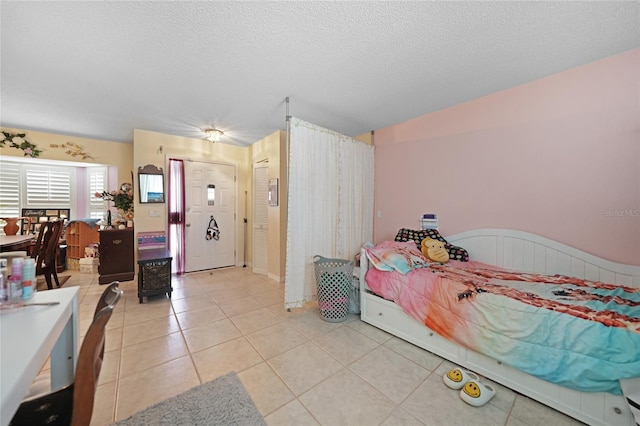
(28, 336)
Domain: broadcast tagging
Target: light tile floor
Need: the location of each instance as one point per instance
(299, 369)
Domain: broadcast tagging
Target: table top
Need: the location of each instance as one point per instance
(11, 243)
(6, 240)
(27, 336)
(146, 255)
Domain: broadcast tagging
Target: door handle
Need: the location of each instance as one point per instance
(187, 224)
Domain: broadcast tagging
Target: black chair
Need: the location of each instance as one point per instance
(73, 405)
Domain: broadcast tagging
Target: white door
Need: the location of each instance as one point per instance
(210, 201)
(260, 218)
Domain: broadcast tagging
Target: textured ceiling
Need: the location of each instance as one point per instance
(101, 69)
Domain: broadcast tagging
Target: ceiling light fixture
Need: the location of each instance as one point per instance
(214, 135)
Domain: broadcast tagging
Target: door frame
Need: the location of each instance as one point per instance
(235, 190)
(262, 164)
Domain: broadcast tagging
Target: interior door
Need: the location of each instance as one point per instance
(260, 218)
(210, 228)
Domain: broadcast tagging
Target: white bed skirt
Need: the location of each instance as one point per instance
(524, 252)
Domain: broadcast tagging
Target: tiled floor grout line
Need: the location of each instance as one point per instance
(117, 381)
(184, 339)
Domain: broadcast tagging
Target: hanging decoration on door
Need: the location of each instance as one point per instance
(213, 233)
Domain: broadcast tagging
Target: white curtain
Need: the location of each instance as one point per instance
(330, 203)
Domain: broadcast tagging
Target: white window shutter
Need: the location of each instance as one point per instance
(97, 183)
(48, 187)
(9, 190)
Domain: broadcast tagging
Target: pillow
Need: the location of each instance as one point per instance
(396, 256)
(417, 235)
(457, 253)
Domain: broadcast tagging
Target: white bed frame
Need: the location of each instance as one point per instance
(525, 252)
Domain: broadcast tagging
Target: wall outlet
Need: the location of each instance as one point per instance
(154, 213)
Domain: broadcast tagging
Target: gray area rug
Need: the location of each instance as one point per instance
(223, 401)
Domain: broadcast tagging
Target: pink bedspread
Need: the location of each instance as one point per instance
(420, 294)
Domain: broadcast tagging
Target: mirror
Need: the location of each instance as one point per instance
(151, 184)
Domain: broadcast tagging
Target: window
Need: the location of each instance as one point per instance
(97, 183)
(29, 186)
(42, 184)
(9, 190)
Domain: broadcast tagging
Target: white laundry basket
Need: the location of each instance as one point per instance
(333, 278)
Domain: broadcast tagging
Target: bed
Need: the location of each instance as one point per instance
(518, 251)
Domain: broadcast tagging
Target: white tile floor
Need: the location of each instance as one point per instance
(299, 369)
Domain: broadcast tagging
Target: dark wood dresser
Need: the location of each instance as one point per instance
(116, 255)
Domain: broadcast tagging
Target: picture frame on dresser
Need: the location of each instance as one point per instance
(37, 216)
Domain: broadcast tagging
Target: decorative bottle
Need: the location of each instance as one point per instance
(4, 282)
(28, 278)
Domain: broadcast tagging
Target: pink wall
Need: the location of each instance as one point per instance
(558, 157)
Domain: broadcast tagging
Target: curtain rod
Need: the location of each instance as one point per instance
(287, 117)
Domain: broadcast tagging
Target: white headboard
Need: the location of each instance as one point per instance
(532, 253)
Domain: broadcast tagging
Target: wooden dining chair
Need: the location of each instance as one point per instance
(45, 251)
(73, 405)
(111, 293)
(42, 384)
(27, 225)
(107, 296)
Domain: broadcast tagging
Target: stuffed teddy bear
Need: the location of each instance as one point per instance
(434, 250)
